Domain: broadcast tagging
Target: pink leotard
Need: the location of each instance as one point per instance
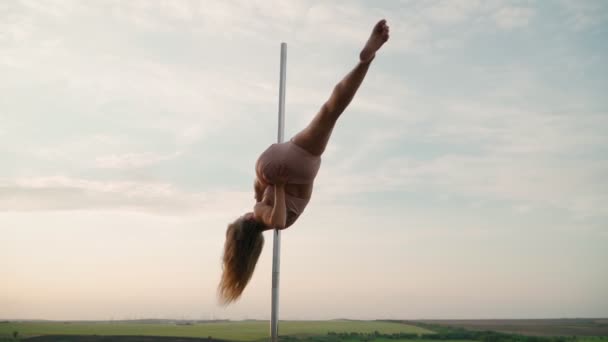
(302, 168)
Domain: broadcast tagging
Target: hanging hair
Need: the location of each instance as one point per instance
(244, 242)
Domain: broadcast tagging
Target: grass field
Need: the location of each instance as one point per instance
(535, 327)
(413, 340)
(236, 331)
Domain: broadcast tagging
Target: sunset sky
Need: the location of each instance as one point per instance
(468, 178)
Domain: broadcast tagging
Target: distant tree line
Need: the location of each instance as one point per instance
(443, 333)
(458, 333)
(454, 334)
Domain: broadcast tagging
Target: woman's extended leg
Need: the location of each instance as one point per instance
(315, 136)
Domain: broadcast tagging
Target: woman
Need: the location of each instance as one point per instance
(284, 178)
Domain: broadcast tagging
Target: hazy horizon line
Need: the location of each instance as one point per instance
(4, 320)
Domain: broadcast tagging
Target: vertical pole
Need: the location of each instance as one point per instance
(276, 246)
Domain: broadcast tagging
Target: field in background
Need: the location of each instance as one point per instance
(563, 330)
(534, 327)
(235, 331)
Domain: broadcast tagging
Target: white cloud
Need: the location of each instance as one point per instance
(452, 11)
(67, 193)
(520, 182)
(491, 147)
(583, 15)
(95, 92)
(77, 149)
(205, 99)
(54, 9)
(523, 157)
(511, 17)
(132, 160)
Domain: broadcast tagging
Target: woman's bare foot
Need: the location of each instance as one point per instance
(378, 37)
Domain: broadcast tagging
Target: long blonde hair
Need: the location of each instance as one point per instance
(242, 249)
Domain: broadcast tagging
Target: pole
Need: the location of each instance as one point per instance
(276, 246)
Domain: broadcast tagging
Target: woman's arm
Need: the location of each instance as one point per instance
(279, 210)
(273, 216)
(278, 216)
(259, 188)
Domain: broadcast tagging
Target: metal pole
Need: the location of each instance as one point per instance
(276, 246)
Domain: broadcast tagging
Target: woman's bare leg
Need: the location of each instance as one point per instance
(315, 136)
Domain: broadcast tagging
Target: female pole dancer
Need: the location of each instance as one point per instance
(284, 178)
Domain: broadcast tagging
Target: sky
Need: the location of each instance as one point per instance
(467, 179)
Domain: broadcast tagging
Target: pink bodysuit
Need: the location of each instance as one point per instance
(302, 168)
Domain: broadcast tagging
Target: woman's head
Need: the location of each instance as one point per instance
(244, 242)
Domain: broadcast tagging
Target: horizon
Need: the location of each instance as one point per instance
(466, 179)
(300, 320)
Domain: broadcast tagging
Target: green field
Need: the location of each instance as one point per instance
(380, 339)
(236, 331)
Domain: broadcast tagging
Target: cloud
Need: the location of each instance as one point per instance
(76, 149)
(146, 117)
(541, 153)
(63, 193)
(518, 182)
(511, 17)
(67, 193)
(181, 90)
(448, 12)
(132, 160)
(521, 157)
(583, 15)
